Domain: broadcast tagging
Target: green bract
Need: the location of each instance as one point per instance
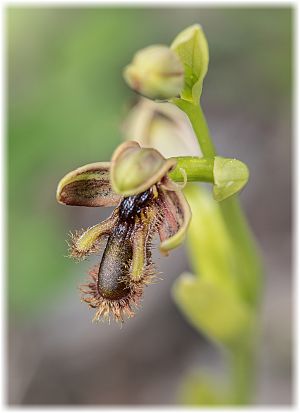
(230, 176)
(214, 309)
(211, 299)
(192, 49)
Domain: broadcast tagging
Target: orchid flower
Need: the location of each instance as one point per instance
(147, 202)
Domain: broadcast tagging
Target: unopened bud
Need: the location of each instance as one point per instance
(156, 72)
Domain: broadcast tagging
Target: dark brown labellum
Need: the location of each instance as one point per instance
(114, 277)
(114, 266)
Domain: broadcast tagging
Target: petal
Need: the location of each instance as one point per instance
(139, 254)
(141, 244)
(135, 169)
(87, 186)
(176, 214)
(87, 242)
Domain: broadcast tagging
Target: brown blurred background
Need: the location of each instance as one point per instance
(65, 102)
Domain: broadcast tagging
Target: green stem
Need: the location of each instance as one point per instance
(197, 119)
(247, 260)
(241, 362)
(196, 169)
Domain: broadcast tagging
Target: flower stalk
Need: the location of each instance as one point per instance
(196, 169)
(199, 124)
(221, 246)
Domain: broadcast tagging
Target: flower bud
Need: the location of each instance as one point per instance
(135, 169)
(155, 72)
(161, 126)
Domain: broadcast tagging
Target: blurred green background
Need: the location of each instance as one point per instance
(65, 102)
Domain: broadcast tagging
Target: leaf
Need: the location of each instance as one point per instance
(212, 299)
(217, 248)
(192, 49)
(213, 309)
(210, 248)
